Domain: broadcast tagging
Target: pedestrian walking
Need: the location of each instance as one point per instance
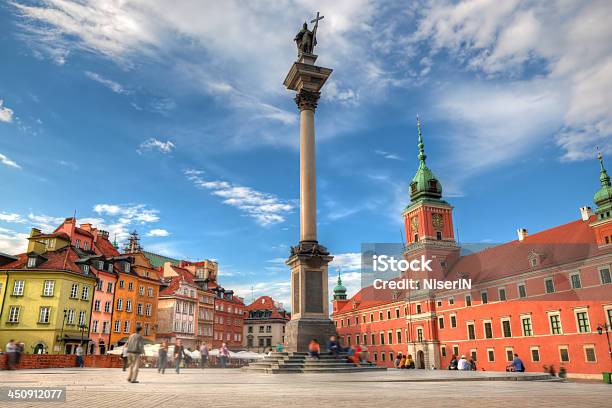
(204, 355)
(162, 357)
(179, 354)
(135, 347)
(79, 356)
(124, 357)
(397, 361)
(11, 351)
(224, 355)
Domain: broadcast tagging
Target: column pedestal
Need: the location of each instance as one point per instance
(309, 297)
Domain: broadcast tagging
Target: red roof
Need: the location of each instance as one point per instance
(104, 247)
(555, 246)
(267, 303)
(83, 232)
(53, 235)
(56, 260)
(183, 275)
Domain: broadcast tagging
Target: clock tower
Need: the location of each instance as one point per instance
(428, 219)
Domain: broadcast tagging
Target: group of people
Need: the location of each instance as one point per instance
(402, 361)
(357, 355)
(462, 364)
(14, 351)
(134, 349)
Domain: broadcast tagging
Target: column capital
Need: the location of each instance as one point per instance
(307, 100)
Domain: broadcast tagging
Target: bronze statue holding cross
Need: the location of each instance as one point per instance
(306, 40)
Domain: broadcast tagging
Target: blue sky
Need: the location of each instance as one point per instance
(171, 118)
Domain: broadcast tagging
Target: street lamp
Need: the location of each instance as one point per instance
(82, 327)
(61, 337)
(600, 330)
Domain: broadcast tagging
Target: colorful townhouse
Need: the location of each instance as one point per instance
(95, 245)
(228, 319)
(264, 325)
(47, 295)
(178, 307)
(545, 296)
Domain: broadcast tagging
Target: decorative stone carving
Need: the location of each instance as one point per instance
(307, 99)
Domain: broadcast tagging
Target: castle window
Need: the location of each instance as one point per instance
(438, 235)
(416, 237)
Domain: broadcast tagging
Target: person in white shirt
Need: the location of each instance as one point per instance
(463, 364)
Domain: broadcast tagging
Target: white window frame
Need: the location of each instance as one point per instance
(525, 317)
(518, 290)
(602, 267)
(552, 281)
(588, 318)
(18, 287)
(451, 320)
(511, 350)
(82, 316)
(550, 328)
(14, 312)
(531, 349)
(501, 323)
(467, 329)
(564, 347)
(486, 293)
(571, 275)
(466, 300)
(499, 292)
(48, 288)
(489, 349)
(584, 349)
(74, 291)
(85, 293)
(70, 316)
(484, 328)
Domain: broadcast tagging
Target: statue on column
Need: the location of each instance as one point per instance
(306, 40)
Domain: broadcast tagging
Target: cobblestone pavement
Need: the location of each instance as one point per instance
(230, 388)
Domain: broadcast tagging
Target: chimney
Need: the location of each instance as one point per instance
(34, 232)
(585, 213)
(522, 233)
(103, 234)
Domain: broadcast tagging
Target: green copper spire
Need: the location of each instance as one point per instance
(603, 197)
(422, 156)
(115, 244)
(339, 289)
(424, 184)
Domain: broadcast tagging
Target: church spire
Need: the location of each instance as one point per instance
(603, 197)
(339, 289)
(422, 156)
(424, 184)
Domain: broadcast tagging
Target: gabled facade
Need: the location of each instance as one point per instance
(229, 319)
(264, 325)
(47, 296)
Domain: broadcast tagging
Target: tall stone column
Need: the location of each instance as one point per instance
(308, 260)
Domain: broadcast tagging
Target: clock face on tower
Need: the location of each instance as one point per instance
(415, 224)
(437, 221)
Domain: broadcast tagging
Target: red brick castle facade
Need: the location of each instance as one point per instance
(543, 296)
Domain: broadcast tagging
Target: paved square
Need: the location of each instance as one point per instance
(232, 388)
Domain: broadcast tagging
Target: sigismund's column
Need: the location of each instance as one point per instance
(308, 260)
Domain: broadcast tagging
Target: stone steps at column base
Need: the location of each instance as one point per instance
(297, 370)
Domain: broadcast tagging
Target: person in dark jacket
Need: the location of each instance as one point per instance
(332, 346)
(162, 357)
(179, 355)
(454, 363)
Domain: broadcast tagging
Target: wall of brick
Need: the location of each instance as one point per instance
(62, 361)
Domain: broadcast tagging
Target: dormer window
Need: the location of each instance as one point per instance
(77, 243)
(101, 265)
(85, 246)
(433, 184)
(32, 262)
(413, 188)
(126, 267)
(85, 268)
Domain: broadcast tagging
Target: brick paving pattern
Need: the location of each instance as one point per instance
(93, 387)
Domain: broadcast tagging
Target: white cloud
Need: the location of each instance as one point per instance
(112, 85)
(12, 242)
(154, 144)
(6, 114)
(265, 208)
(11, 217)
(122, 218)
(158, 232)
(8, 162)
(559, 46)
(387, 155)
(45, 222)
